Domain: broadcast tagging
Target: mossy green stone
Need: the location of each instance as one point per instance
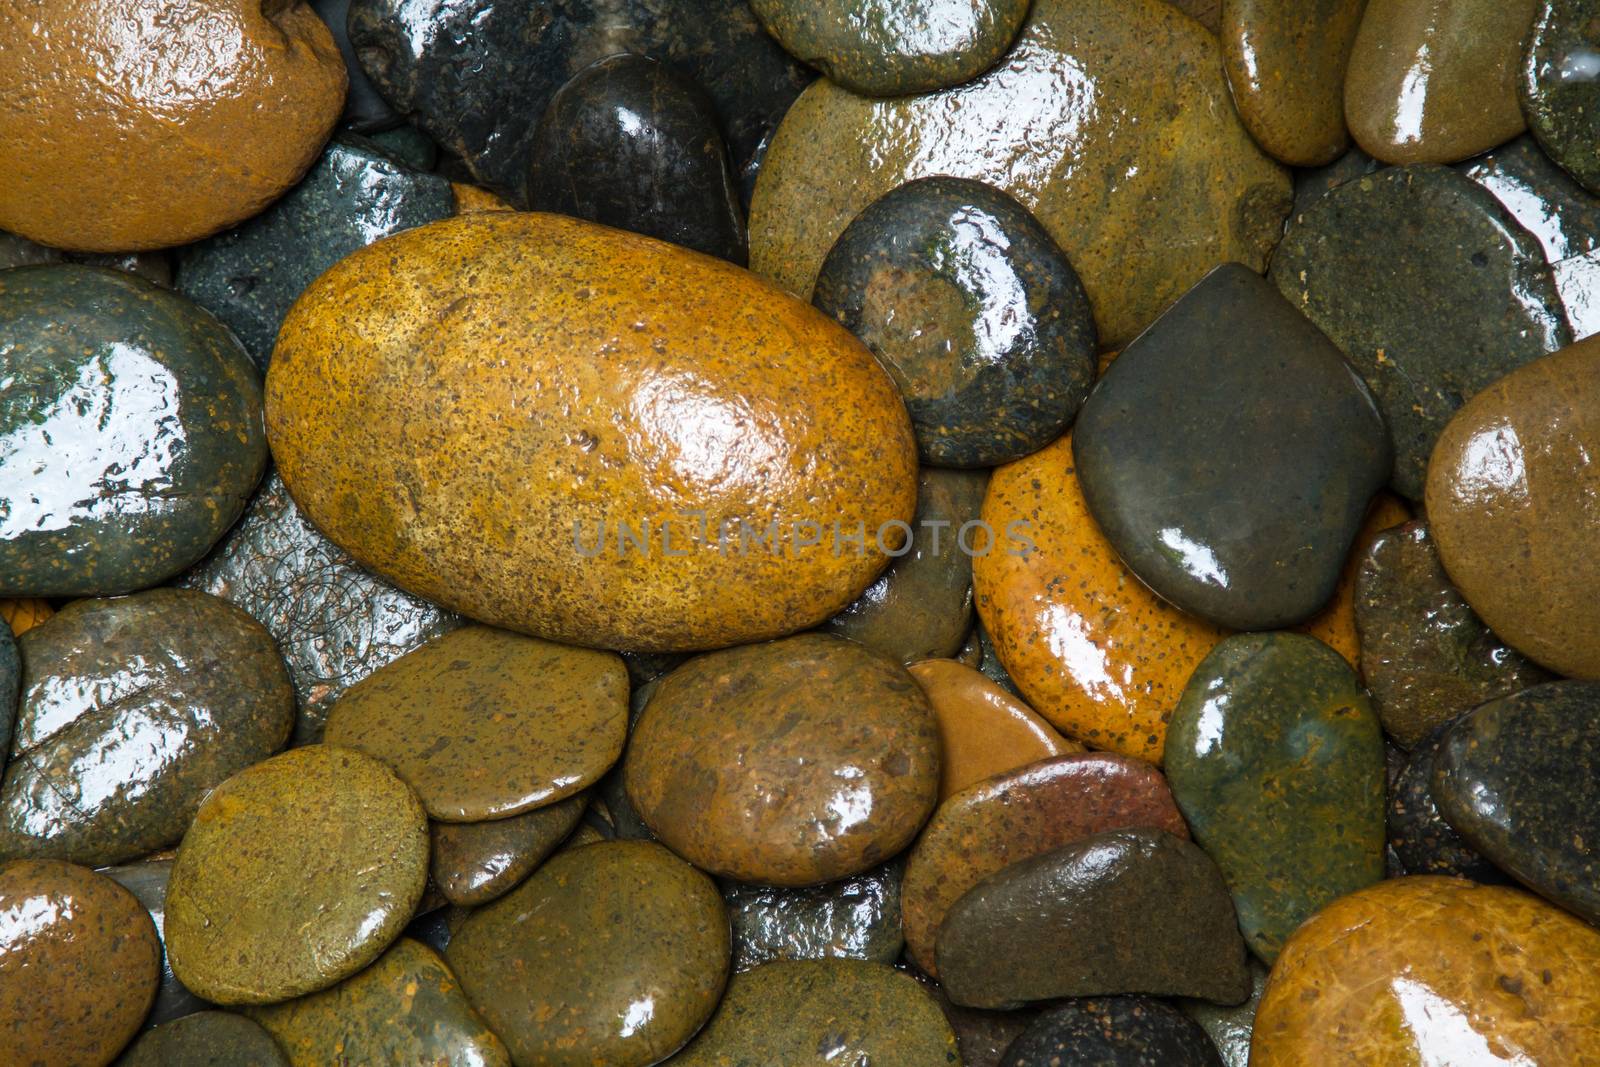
(130, 432)
(407, 1008)
(824, 1012)
(206, 1039)
(895, 47)
(1276, 759)
(1561, 85)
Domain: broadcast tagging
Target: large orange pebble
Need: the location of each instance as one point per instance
(1092, 649)
(1425, 971)
(147, 123)
(588, 435)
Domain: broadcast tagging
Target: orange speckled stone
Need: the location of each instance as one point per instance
(79, 965)
(1015, 816)
(470, 198)
(484, 723)
(790, 763)
(469, 406)
(1335, 625)
(1093, 650)
(1433, 972)
(145, 124)
(984, 730)
(24, 615)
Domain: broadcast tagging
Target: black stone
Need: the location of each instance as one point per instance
(1561, 85)
(974, 310)
(478, 74)
(855, 918)
(409, 145)
(1113, 1032)
(1422, 840)
(147, 882)
(1229, 455)
(1429, 288)
(131, 422)
(353, 195)
(1517, 778)
(629, 144)
(334, 622)
(365, 110)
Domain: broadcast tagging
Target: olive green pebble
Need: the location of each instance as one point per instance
(475, 862)
(799, 1013)
(206, 1039)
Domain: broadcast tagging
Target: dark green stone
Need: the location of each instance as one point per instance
(1430, 288)
(1229, 455)
(857, 918)
(334, 622)
(1561, 86)
(1313, 184)
(1276, 760)
(130, 432)
(147, 881)
(132, 709)
(476, 74)
(206, 1039)
(475, 862)
(10, 687)
(1127, 911)
(975, 311)
(1230, 1028)
(847, 1012)
(921, 607)
(895, 47)
(629, 144)
(1113, 1032)
(1425, 654)
(153, 266)
(364, 109)
(1517, 779)
(1423, 842)
(1562, 214)
(353, 195)
(409, 145)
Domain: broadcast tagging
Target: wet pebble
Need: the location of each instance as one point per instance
(147, 881)
(854, 918)
(473, 863)
(206, 1039)
(1113, 1032)
(1560, 85)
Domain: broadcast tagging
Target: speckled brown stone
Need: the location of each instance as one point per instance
(611, 953)
(475, 862)
(628, 411)
(1009, 818)
(824, 1012)
(1429, 970)
(1027, 127)
(790, 763)
(407, 1008)
(1435, 81)
(79, 963)
(1132, 911)
(295, 874)
(206, 1039)
(485, 723)
(217, 108)
(1513, 503)
(133, 709)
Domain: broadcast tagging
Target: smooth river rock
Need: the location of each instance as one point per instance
(1160, 97)
(206, 1039)
(1113, 1032)
(1229, 455)
(130, 432)
(1560, 86)
(133, 709)
(474, 862)
(824, 1012)
(140, 125)
(1513, 503)
(611, 953)
(1129, 911)
(485, 723)
(791, 763)
(651, 425)
(1282, 717)
(1011, 817)
(1425, 655)
(79, 963)
(295, 874)
(854, 918)
(334, 621)
(1516, 776)
(147, 881)
(1429, 287)
(1429, 970)
(974, 309)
